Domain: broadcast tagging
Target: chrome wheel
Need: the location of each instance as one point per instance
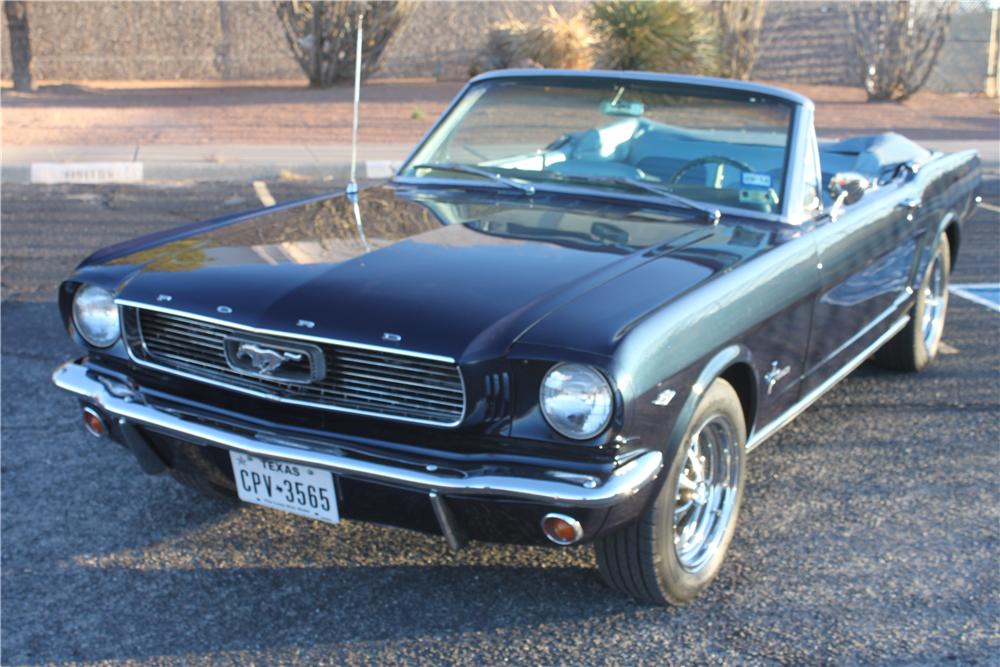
(707, 489)
(935, 302)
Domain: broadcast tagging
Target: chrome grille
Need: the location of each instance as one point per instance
(363, 381)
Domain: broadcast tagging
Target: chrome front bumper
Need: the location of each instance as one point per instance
(550, 487)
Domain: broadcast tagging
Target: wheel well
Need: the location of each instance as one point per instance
(740, 376)
(953, 233)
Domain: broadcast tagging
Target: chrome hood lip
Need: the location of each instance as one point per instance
(292, 335)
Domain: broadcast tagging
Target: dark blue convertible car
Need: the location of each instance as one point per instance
(578, 305)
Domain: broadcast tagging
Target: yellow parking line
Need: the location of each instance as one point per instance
(263, 194)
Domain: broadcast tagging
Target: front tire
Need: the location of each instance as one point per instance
(673, 552)
(916, 346)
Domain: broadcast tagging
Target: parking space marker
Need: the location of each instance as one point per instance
(945, 348)
(985, 294)
(263, 194)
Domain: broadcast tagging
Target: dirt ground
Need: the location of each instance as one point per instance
(393, 111)
(276, 113)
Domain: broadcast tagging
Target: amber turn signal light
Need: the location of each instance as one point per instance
(561, 529)
(94, 423)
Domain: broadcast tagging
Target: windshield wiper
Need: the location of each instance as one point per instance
(713, 214)
(527, 188)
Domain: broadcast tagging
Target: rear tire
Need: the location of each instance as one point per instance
(916, 346)
(671, 554)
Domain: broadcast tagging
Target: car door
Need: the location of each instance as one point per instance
(866, 258)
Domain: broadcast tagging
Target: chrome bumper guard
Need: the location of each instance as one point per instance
(564, 488)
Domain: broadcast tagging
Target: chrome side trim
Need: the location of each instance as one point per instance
(620, 485)
(760, 435)
(281, 399)
(884, 315)
(283, 334)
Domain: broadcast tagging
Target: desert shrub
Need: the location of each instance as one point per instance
(897, 44)
(556, 41)
(668, 35)
(322, 35)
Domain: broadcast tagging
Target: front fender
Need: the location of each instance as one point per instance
(651, 410)
(710, 372)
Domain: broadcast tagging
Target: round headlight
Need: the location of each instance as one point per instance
(95, 315)
(576, 400)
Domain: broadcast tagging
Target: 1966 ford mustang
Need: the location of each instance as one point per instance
(577, 306)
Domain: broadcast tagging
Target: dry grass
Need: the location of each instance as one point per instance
(556, 42)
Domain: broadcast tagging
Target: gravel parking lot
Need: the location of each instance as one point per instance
(869, 532)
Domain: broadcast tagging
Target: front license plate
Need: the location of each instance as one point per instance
(291, 487)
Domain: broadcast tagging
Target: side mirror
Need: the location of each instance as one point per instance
(848, 187)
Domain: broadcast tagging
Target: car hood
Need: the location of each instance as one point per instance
(452, 274)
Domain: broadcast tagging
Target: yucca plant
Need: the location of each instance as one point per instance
(669, 35)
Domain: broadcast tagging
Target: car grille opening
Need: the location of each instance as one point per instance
(355, 380)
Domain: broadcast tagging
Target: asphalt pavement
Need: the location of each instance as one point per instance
(869, 533)
(316, 161)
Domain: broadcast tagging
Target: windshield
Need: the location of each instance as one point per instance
(718, 147)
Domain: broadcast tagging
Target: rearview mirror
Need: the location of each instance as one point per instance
(617, 107)
(848, 187)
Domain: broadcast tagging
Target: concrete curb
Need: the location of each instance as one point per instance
(181, 171)
(210, 162)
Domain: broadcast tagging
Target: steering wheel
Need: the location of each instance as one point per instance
(720, 160)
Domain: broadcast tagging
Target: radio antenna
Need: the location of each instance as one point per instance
(352, 185)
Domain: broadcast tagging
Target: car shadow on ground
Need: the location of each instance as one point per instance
(868, 533)
(218, 570)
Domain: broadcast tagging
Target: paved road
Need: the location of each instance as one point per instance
(870, 530)
(241, 162)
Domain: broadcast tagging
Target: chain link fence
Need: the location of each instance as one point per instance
(803, 42)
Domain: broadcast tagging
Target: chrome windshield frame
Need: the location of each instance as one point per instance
(801, 121)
